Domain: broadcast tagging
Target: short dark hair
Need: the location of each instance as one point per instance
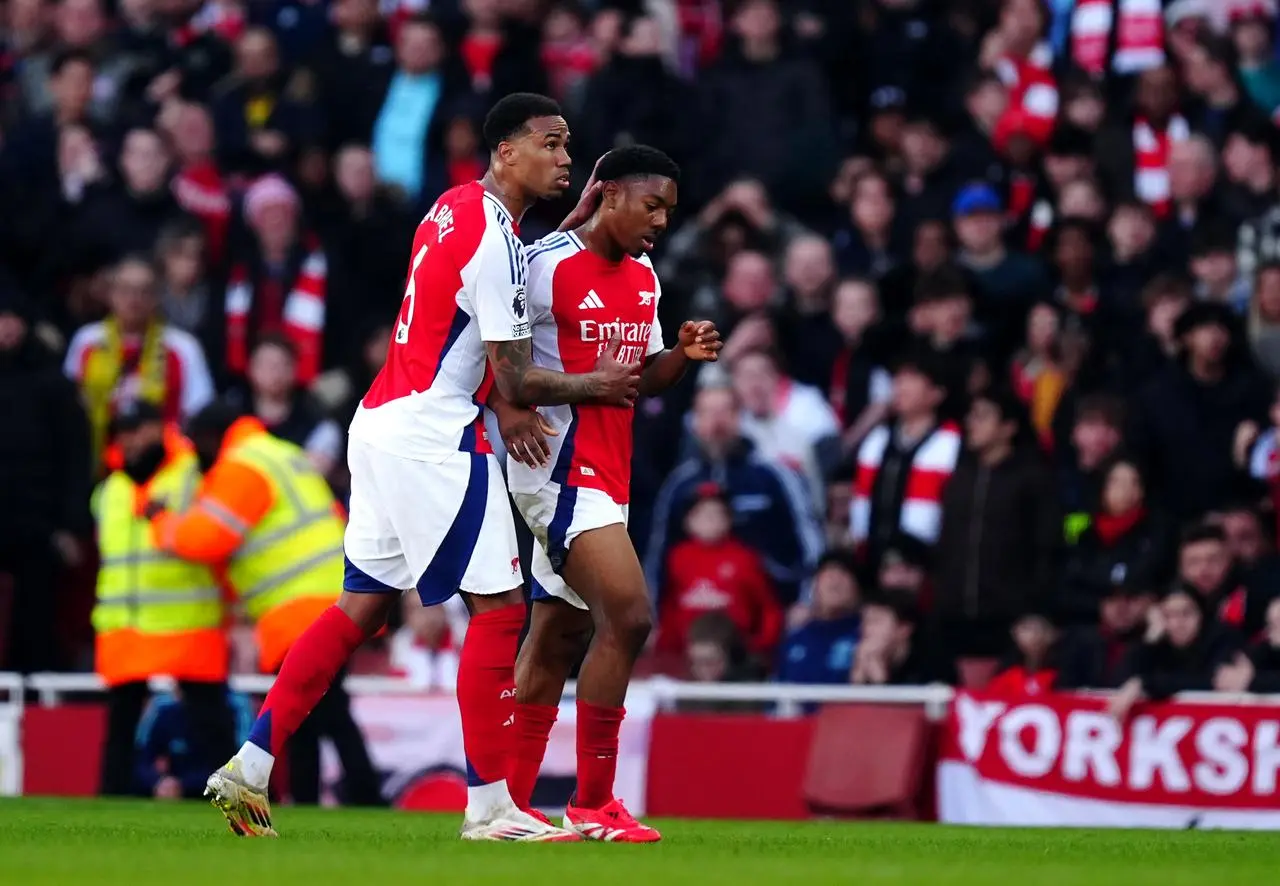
(1106, 408)
(65, 57)
(214, 420)
(1199, 532)
(901, 603)
(941, 284)
(277, 340)
(636, 161)
(1212, 236)
(511, 114)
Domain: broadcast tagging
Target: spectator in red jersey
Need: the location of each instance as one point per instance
(134, 355)
(1032, 667)
(711, 571)
(198, 184)
(279, 284)
(1181, 651)
(568, 55)
(1127, 543)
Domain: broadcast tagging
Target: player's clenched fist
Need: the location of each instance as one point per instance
(617, 384)
(700, 340)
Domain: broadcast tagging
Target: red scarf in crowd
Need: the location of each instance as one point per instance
(1033, 97)
(299, 315)
(1151, 161)
(1112, 527)
(1139, 34)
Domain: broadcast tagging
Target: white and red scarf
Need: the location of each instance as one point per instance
(1139, 35)
(302, 317)
(1151, 160)
(932, 464)
(1033, 96)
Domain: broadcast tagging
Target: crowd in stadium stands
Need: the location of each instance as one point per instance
(999, 282)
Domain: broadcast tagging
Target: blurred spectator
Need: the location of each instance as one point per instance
(279, 283)
(716, 654)
(903, 465)
(1008, 282)
(111, 222)
(1258, 668)
(1134, 152)
(636, 98)
(44, 484)
(859, 388)
(286, 410)
(79, 26)
(403, 137)
(1249, 167)
(788, 423)
(165, 767)
(198, 184)
(1126, 544)
(1213, 265)
(821, 650)
(809, 338)
(367, 239)
(765, 110)
(186, 299)
(1031, 668)
(893, 651)
(262, 113)
(1038, 373)
(352, 68)
(133, 355)
(1001, 530)
(425, 648)
(711, 571)
(1096, 433)
(772, 511)
(1180, 651)
(1253, 35)
(867, 244)
(1209, 71)
(1097, 655)
(1190, 412)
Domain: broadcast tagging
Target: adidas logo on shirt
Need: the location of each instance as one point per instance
(591, 302)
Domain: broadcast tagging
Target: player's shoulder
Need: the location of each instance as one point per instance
(551, 250)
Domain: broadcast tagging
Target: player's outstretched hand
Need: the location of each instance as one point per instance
(524, 433)
(700, 340)
(587, 203)
(618, 383)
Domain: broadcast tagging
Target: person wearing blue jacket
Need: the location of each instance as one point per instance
(164, 765)
(773, 512)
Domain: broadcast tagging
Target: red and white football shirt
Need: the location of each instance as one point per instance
(466, 287)
(577, 302)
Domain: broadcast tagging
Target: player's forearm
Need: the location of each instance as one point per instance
(523, 384)
(663, 371)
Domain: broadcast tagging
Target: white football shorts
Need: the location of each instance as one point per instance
(557, 515)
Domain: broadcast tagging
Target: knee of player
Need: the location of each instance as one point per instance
(630, 623)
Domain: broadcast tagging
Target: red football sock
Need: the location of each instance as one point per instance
(533, 727)
(597, 753)
(487, 691)
(305, 676)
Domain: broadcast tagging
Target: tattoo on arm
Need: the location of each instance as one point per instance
(525, 384)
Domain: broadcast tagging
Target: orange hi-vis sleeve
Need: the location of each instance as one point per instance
(233, 499)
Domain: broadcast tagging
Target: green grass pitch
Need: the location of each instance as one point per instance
(100, 843)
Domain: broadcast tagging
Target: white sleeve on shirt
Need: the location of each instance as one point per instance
(1260, 458)
(655, 345)
(495, 278)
